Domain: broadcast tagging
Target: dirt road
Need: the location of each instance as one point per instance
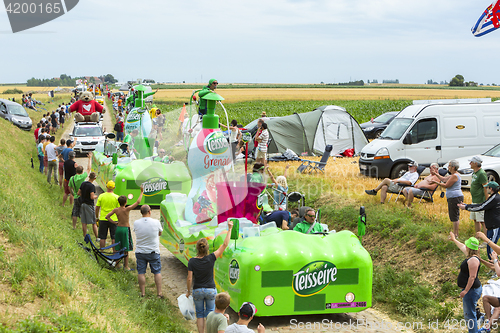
(174, 275)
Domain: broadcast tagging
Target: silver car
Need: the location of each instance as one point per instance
(15, 113)
(87, 136)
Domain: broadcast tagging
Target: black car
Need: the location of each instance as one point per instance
(15, 113)
(374, 128)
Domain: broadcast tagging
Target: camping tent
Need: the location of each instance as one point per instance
(310, 132)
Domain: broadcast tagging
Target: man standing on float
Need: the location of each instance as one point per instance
(212, 85)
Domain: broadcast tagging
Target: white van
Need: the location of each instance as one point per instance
(430, 133)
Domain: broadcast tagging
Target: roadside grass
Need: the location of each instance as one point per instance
(49, 283)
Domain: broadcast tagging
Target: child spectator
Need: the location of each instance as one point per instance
(246, 313)
(280, 191)
(122, 233)
(217, 320)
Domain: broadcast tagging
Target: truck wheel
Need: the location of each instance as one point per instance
(492, 176)
(399, 170)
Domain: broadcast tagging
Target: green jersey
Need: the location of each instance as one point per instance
(476, 186)
(304, 226)
(75, 182)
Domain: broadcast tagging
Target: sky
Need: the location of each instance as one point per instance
(259, 41)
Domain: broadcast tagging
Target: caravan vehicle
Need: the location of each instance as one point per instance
(433, 132)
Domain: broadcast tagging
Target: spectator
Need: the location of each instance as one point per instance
(37, 132)
(308, 225)
(429, 183)
(41, 141)
(162, 156)
(491, 208)
(120, 108)
(59, 149)
(259, 130)
(257, 175)
(201, 268)
(245, 315)
(62, 114)
(147, 250)
(468, 280)
(391, 185)
(454, 195)
(122, 233)
(105, 204)
(119, 130)
(280, 190)
(69, 148)
(50, 151)
(74, 185)
(87, 212)
(234, 135)
(54, 119)
(217, 320)
(160, 121)
(280, 217)
(69, 167)
(263, 138)
(45, 160)
(478, 191)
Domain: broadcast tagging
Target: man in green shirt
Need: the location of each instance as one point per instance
(74, 185)
(105, 204)
(478, 192)
(308, 221)
(162, 157)
(212, 85)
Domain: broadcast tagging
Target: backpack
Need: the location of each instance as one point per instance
(118, 127)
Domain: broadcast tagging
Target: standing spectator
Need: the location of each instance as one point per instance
(62, 114)
(119, 130)
(217, 320)
(454, 195)
(160, 122)
(122, 233)
(41, 141)
(478, 191)
(263, 138)
(468, 280)
(45, 160)
(50, 151)
(59, 149)
(491, 208)
(201, 268)
(69, 171)
(257, 134)
(37, 132)
(105, 204)
(69, 148)
(280, 189)
(87, 212)
(54, 119)
(120, 108)
(234, 135)
(74, 185)
(245, 315)
(147, 250)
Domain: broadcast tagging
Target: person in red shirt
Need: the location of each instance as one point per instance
(37, 131)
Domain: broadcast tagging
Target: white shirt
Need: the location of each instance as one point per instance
(146, 235)
(264, 135)
(411, 176)
(235, 328)
(51, 152)
(233, 135)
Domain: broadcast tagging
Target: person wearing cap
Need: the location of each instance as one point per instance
(282, 218)
(468, 279)
(478, 191)
(391, 185)
(105, 204)
(491, 208)
(245, 315)
(201, 268)
(428, 183)
(69, 147)
(69, 167)
(309, 224)
(212, 85)
(454, 195)
(257, 175)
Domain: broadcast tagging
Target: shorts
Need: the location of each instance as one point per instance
(416, 191)
(260, 154)
(393, 187)
(87, 214)
(123, 236)
(477, 216)
(143, 259)
(61, 167)
(204, 301)
(453, 210)
(76, 208)
(66, 187)
(104, 226)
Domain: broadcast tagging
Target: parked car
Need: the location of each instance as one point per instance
(375, 127)
(429, 133)
(87, 136)
(15, 113)
(491, 164)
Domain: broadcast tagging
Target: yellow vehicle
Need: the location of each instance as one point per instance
(99, 99)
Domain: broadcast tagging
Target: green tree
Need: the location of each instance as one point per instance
(108, 78)
(457, 81)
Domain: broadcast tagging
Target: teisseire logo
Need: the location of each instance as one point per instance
(154, 185)
(314, 277)
(216, 143)
(133, 117)
(26, 15)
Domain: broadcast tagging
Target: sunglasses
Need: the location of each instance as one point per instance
(311, 215)
(215, 82)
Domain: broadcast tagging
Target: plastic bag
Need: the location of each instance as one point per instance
(186, 305)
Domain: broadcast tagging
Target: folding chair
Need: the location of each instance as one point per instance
(420, 169)
(308, 166)
(428, 193)
(109, 260)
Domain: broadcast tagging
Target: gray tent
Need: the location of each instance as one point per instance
(310, 132)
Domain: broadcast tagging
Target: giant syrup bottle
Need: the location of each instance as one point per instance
(208, 152)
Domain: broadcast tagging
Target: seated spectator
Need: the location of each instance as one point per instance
(280, 189)
(391, 185)
(246, 313)
(308, 225)
(257, 175)
(217, 320)
(429, 183)
(162, 157)
(282, 218)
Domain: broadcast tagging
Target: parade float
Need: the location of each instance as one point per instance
(281, 272)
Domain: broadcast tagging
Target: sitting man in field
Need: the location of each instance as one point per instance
(429, 183)
(391, 185)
